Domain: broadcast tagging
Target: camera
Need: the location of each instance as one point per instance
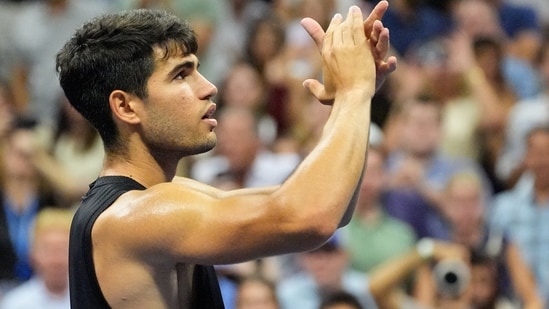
(451, 277)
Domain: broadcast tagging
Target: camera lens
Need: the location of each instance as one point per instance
(451, 277)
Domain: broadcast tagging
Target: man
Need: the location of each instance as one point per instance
(523, 117)
(418, 170)
(49, 286)
(373, 236)
(134, 76)
(523, 211)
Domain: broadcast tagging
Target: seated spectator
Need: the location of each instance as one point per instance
(418, 170)
(523, 212)
(49, 287)
(524, 116)
(490, 53)
(244, 87)
(471, 285)
(72, 160)
(372, 236)
(22, 194)
(523, 32)
(465, 204)
(240, 155)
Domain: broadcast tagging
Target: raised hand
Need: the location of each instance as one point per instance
(378, 39)
(343, 51)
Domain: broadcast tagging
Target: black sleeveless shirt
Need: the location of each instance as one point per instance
(85, 292)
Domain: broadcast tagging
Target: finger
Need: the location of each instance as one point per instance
(377, 28)
(388, 66)
(357, 30)
(376, 14)
(314, 30)
(315, 87)
(333, 34)
(383, 44)
(391, 64)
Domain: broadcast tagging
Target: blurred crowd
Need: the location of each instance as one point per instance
(453, 210)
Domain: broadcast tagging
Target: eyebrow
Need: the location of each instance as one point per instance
(185, 65)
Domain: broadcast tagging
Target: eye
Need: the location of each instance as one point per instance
(181, 75)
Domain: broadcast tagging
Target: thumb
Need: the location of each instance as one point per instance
(318, 90)
(315, 87)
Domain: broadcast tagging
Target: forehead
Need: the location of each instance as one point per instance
(170, 56)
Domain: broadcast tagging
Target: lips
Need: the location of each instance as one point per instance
(210, 112)
(208, 116)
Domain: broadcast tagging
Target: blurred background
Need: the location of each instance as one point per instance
(454, 207)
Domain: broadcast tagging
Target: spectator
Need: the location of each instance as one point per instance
(246, 88)
(266, 52)
(524, 116)
(523, 211)
(523, 31)
(49, 287)
(240, 155)
(22, 195)
(446, 69)
(418, 170)
(489, 54)
(72, 160)
(465, 205)
(372, 236)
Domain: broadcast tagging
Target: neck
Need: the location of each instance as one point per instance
(146, 169)
(467, 238)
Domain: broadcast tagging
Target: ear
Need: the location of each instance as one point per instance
(125, 106)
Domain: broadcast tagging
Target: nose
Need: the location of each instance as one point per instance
(208, 90)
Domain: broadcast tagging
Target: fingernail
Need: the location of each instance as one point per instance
(354, 9)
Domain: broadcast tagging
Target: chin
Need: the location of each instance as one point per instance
(206, 145)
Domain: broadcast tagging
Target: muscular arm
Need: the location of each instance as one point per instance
(190, 225)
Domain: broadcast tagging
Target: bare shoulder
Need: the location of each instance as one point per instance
(137, 219)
